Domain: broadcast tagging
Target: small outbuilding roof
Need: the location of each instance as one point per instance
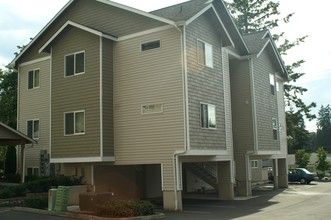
(12, 137)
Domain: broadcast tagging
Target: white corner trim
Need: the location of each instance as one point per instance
(82, 160)
(79, 26)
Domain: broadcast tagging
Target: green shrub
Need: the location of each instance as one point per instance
(12, 191)
(40, 202)
(43, 184)
(126, 208)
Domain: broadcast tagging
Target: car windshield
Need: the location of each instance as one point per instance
(306, 171)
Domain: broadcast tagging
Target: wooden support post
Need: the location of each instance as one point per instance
(22, 168)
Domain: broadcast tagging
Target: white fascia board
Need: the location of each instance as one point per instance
(137, 11)
(265, 45)
(210, 6)
(12, 63)
(82, 160)
(82, 27)
(142, 33)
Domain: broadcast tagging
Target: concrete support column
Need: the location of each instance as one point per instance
(243, 176)
(282, 171)
(225, 183)
(22, 167)
(170, 202)
(275, 172)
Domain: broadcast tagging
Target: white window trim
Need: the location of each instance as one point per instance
(27, 128)
(64, 120)
(33, 87)
(209, 128)
(150, 113)
(145, 42)
(65, 64)
(212, 51)
(254, 164)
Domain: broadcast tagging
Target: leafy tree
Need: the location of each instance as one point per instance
(302, 158)
(256, 15)
(322, 164)
(324, 127)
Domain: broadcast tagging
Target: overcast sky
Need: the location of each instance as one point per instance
(22, 19)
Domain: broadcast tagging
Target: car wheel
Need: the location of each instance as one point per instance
(302, 181)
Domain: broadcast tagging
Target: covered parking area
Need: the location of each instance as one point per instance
(12, 138)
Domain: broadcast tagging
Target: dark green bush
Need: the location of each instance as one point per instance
(12, 191)
(126, 208)
(40, 202)
(43, 184)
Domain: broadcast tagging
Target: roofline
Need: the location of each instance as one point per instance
(18, 133)
(13, 62)
(236, 29)
(137, 11)
(82, 27)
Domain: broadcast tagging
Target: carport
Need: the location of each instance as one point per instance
(11, 137)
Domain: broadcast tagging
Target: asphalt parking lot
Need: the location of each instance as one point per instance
(297, 202)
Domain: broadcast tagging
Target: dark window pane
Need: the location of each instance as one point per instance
(69, 123)
(80, 63)
(30, 83)
(204, 116)
(150, 45)
(36, 78)
(79, 122)
(69, 65)
(201, 53)
(275, 132)
(272, 89)
(30, 127)
(36, 129)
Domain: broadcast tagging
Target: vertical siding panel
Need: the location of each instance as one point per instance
(76, 93)
(205, 85)
(35, 104)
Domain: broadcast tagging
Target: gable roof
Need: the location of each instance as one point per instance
(261, 40)
(10, 136)
(190, 10)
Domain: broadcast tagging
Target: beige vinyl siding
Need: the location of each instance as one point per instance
(76, 93)
(243, 137)
(99, 16)
(146, 78)
(35, 104)
(265, 102)
(107, 95)
(205, 84)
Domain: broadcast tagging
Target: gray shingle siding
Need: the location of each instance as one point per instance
(205, 85)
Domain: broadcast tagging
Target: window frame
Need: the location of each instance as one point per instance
(201, 116)
(275, 128)
(74, 64)
(155, 112)
(151, 41)
(206, 58)
(272, 82)
(254, 164)
(74, 123)
(33, 79)
(33, 129)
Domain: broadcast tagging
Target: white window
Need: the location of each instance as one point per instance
(150, 45)
(33, 79)
(74, 64)
(275, 128)
(272, 83)
(150, 109)
(33, 129)
(205, 54)
(74, 123)
(208, 116)
(254, 164)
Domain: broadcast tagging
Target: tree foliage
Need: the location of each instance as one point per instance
(324, 127)
(322, 164)
(302, 158)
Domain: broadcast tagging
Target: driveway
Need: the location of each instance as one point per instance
(297, 202)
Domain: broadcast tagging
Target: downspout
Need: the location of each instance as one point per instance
(185, 104)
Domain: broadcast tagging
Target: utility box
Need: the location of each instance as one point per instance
(62, 197)
(51, 199)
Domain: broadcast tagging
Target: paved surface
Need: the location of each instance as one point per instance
(302, 202)
(311, 202)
